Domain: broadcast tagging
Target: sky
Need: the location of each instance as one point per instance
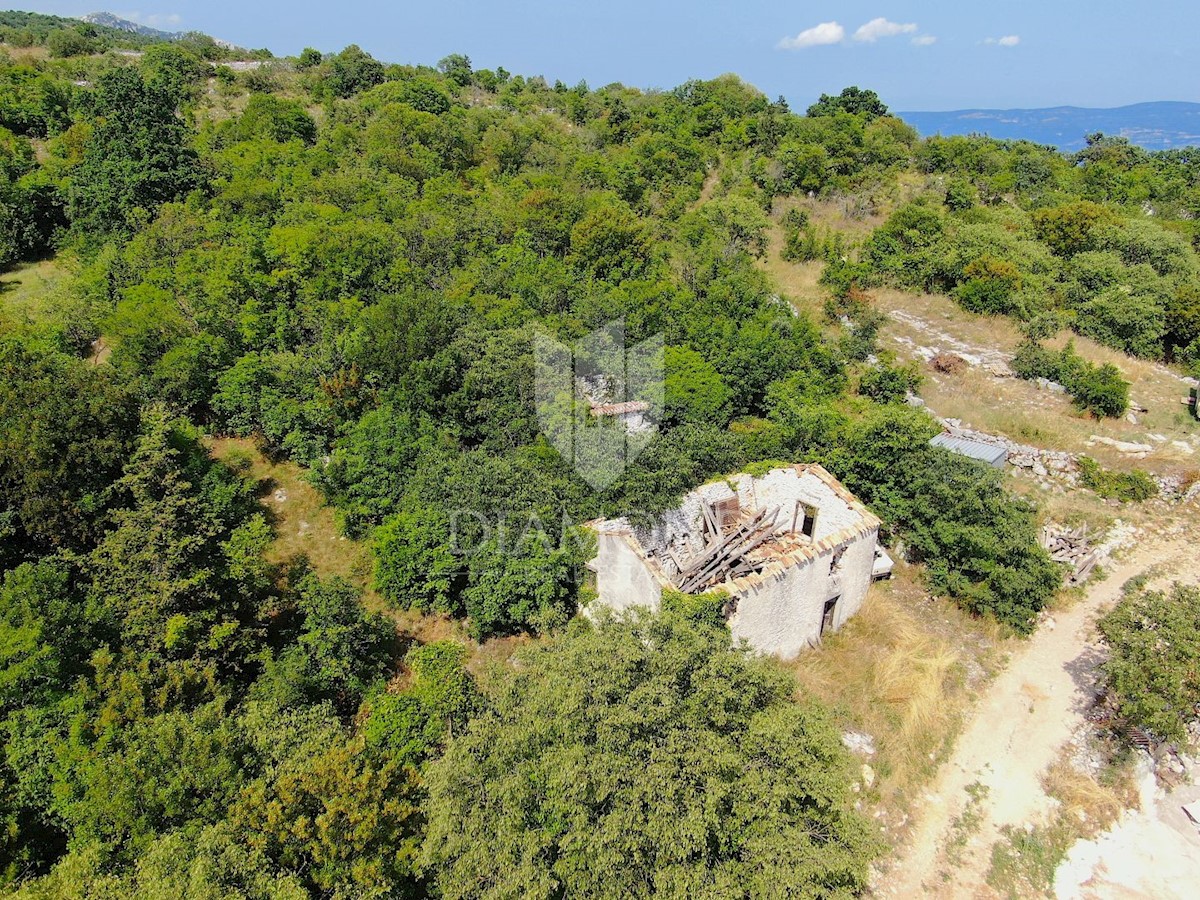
(932, 55)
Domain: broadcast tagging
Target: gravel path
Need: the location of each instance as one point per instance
(1026, 715)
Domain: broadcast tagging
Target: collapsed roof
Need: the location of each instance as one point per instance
(738, 532)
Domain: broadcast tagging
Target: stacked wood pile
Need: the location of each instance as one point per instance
(724, 556)
(1073, 548)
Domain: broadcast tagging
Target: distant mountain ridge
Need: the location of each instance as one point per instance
(1160, 125)
(108, 20)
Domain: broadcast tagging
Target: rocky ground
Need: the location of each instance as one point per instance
(1151, 852)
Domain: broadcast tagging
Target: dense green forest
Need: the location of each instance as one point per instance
(348, 261)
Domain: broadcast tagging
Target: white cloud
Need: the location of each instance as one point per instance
(1009, 40)
(924, 40)
(817, 36)
(882, 28)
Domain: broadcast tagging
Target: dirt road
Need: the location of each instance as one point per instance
(1028, 712)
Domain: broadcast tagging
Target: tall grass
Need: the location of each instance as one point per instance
(899, 672)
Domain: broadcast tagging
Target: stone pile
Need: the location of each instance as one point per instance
(1128, 448)
(1061, 467)
(1040, 463)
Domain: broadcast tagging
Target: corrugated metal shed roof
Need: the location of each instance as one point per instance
(986, 453)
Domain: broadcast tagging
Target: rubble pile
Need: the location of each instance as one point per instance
(1071, 546)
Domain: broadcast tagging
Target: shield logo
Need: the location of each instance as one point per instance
(598, 401)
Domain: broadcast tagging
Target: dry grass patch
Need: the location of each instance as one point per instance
(798, 282)
(28, 290)
(941, 314)
(1096, 801)
(218, 106)
(304, 525)
(855, 216)
(26, 55)
(903, 670)
(1022, 410)
(860, 212)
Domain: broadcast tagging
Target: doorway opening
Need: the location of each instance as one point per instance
(829, 616)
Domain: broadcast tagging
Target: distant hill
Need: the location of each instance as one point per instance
(116, 23)
(1155, 126)
(39, 26)
(108, 20)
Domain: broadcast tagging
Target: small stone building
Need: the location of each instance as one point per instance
(794, 549)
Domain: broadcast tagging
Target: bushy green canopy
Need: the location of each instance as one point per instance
(1153, 667)
(645, 758)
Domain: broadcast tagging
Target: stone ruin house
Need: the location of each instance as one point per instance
(794, 549)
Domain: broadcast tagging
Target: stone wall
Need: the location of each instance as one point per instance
(782, 488)
(623, 579)
(781, 615)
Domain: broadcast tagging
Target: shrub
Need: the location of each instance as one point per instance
(1073, 227)
(960, 195)
(278, 120)
(887, 383)
(353, 70)
(806, 244)
(693, 390)
(759, 439)
(990, 286)
(530, 584)
(366, 473)
(909, 247)
(795, 218)
(1101, 391)
(861, 340)
(1033, 361)
(412, 724)
(843, 277)
(800, 245)
(308, 58)
(347, 648)
(416, 564)
(1098, 390)
(1123, 486)
(67, 42)
(978, 541)
(503, 582)
(1153, 669)
(1126, 319)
